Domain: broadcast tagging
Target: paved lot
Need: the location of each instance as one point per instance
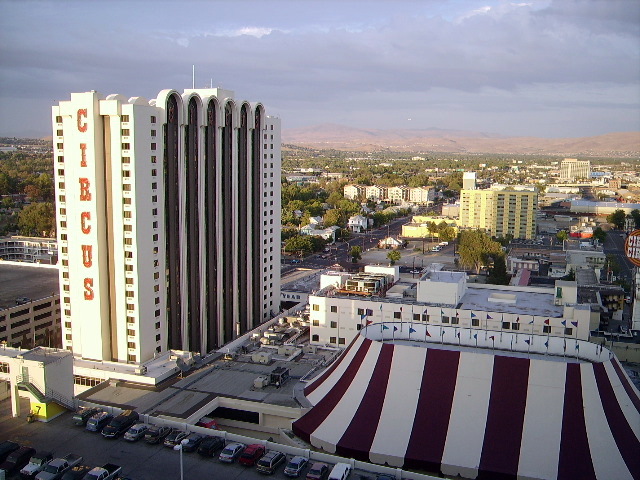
(139, 460)
(26, 281)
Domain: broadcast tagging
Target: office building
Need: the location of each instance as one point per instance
(168, 221)
(572, 169)
(500, 210)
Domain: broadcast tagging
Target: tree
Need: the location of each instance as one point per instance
(476, 248)
(635, 214)
(599, 234)
(562, 235)
(393, 256)
(38, 219)
(617, 219)
(498, 273)
(356, 254)
(334, 217)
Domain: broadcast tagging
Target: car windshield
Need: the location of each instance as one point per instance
(50, 469)
(228, 450)
(293, 464)
(315, 471)
(37, 460)
(264, 463)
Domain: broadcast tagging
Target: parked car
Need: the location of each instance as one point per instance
(35, 465)
(340, 471)
(318, 471)
(384, 477)
(58, 466)
(81, 416)
(16, 460)
(98, 421)
(270, 462)
(120, 424)
(193, 440)
(156, 433)
(76, 473)
(108, 471)
(6, 448)
(295, 466)
(136, 432)
(231, 452)
(174, 438)
(251, 454)
(210, 445)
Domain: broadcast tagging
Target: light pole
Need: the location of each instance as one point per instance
(179, 447)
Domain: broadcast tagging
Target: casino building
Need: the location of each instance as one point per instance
(168, 217)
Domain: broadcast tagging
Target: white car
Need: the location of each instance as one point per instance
(136, 432)
(443, 244)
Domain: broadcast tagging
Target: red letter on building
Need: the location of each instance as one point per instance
(88, 290)
(87, 255)
(82, 126)
(85, 195)
(83, 150)
(85, 217)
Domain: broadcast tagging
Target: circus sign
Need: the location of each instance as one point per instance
(632, 247)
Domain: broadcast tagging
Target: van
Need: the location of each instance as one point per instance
(120, 424)
(340, 471)
(98, 421)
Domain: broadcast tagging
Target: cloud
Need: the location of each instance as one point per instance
(304, 59)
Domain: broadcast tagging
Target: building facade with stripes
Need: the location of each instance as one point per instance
(168, 221)
(476, 406)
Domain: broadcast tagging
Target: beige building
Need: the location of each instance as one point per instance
(419, 226)
(500, 210)
(572, 169)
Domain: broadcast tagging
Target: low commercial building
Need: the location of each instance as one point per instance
(418, 227)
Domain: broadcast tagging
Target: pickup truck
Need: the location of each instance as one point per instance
(36, 463)
(56, 467)
(105, 472)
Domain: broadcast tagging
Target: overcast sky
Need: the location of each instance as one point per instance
(563, 68)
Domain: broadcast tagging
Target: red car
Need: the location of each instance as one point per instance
(251, 454)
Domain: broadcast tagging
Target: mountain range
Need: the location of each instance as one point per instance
(340, 137)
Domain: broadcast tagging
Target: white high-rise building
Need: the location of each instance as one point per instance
(572, 169)
(168, 221)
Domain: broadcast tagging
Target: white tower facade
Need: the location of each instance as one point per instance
(168, 221)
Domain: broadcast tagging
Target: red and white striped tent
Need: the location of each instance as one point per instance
(476, 414)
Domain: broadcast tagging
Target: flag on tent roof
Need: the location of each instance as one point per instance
(527, 341)
(458, 334)
(577, 346)
(475, 335)
(369, 322)
(442, 333)
(384, 327)
(531, 322)
(565, 345)
(473, 315)
(441, 312)
(546, 322)
(575, 324)
(362, 316)
(395, 329)
(546, 344)
(426, 332)
(425, 311)
(489, 317)
(380, 307)
(518, 319)
(411, 330)
(564, 323)
(492, 338)
(457, 313)
(401, 309)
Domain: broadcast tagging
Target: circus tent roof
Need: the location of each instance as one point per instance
(475, 413)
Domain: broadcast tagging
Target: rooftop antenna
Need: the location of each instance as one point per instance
(211, 83)
(193, 77)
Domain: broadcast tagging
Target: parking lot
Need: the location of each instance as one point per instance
(139, 460)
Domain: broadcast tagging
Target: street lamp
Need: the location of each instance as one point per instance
(179, 448)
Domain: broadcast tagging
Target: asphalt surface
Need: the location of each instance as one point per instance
(614, 246)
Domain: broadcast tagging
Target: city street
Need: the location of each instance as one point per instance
(614, 245)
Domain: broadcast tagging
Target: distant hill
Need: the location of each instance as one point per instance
(339, 137)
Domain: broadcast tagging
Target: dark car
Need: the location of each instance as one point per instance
(295, 466)
(251, 454)
(16, 460)
(76, 473)
(191, 442)
(269, 463)
(120, 424)
(174, 438)
(210, 445)
(318, 471)
(98, 421)
(6, 448)
(156, 433)
(81, 416)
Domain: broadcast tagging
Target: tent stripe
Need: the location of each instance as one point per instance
(306, 425)
(626, 440)
(626, 383)
(505, 419)
(310, 388)
(431, 423)
(358, 438)
(627, 407)
(575, 458)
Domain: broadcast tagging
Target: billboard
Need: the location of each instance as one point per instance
(632, 247)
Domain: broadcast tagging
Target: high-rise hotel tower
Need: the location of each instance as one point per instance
(168, 221)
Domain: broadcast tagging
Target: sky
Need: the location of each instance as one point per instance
(546, 68)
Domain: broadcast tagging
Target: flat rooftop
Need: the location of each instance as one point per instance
(527, 302)
(31, 281)
(181, 397)
(302, 280)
